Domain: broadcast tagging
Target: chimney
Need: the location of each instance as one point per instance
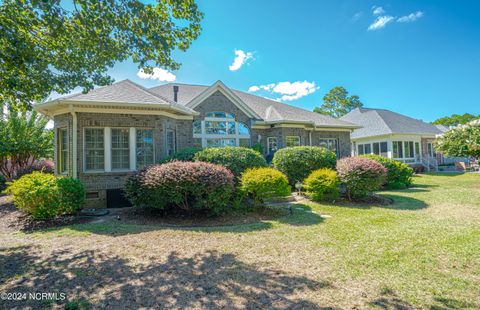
(175, 93)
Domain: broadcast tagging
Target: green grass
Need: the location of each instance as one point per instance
(421, 252)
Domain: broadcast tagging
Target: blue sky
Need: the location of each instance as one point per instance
(423, 62)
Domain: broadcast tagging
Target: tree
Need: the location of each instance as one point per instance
(337, 103)
(23, 139)
(455, 119)
(55, 46)
(462, 141)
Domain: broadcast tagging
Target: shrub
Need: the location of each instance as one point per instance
(189, 186)
(45, 196)
(299, 161)
(235, 159)
(258, 148)
(322, 184)
(185, 154)
(360, 175)
(399, 175)
(45, 166)
(262, 183)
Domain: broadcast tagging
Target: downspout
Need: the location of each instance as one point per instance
(74, 142)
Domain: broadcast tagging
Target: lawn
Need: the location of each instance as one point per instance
(421, 252)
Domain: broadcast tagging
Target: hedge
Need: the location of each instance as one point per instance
(322, 184)
(399, 175)
(262, 183)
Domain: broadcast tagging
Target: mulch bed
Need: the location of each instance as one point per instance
(12, 219)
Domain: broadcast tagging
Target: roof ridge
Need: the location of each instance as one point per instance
(383, 121)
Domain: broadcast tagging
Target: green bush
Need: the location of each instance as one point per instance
(45, 196)
(185, 154)
(235, 159)
(322, 184)
(186, 186)
(258, 148)
(262, 183)
(299, 161)
(361, 176)
(399, 175)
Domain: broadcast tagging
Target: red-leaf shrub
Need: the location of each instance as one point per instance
(361, 176)
(45, 166)
(189, 186)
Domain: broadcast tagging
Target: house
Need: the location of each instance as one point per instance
(394, 135)
(105, 134)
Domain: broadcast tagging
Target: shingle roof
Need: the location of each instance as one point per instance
(124, 92)
(268, 110)
(376, 122)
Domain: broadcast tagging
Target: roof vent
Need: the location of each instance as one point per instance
(175, 93)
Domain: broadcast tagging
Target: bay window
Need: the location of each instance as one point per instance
(292, 141)
(330, 144)
(120, 149)
(62, 147)
(94, 149)
(144, 147)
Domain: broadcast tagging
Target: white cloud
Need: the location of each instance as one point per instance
(410, 17)
(380, 22)
(290, 91)
(241, 58)
(377, 10)
(157, 74)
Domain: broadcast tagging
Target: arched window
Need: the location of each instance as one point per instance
(220, 129)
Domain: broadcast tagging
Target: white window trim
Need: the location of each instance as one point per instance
(336, 142)
(59, 151)
(299, 140)
(107, 149)
(268, 143)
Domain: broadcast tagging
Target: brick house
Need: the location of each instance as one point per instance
(105, 134)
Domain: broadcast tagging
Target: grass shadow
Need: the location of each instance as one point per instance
(207, 280)
(399, 203)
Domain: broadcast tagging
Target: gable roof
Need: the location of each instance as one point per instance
(268, 110)
(125, 93)
(378, 122)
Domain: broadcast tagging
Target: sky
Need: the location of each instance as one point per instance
(419, 58)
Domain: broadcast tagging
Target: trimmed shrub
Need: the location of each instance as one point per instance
(45, 166)
(399, 175)
(258, 148)
(235, 159)
(262, 183)
(322, 184)
(360, 175)
(299, 161)
(188, 186)
(45, 196)
(185, 154)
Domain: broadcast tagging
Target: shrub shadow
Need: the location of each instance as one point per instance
(399, 203)
(205, 280)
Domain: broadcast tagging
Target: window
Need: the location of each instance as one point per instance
(331, 144)
(376, 148)
(197, 127)
(220, 142)
(170, 142)
(368, 148)
(120, 149)
(220, 129)
(292, 141)
(384, 149)
(62, 150)
(397, 149)
(144, 151)
(409, 151)
(94, 149)
(417, 148)
(361, 149)
(219, 115)
(431, 151)
(272, 145)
